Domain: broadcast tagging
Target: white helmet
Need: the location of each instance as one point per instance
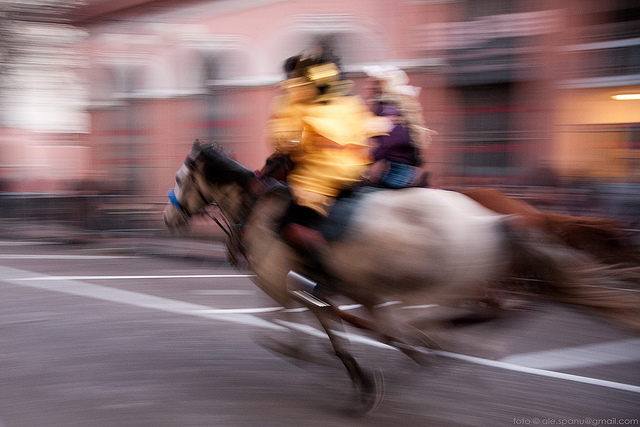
(392, 79)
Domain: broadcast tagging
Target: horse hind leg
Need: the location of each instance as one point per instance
(412, 342)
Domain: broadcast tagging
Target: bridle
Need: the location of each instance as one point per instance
(171, 194)
(174, 201)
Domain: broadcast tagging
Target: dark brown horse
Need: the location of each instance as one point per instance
(415, 245)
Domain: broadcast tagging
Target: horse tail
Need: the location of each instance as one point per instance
(610, 240)
(569, 276)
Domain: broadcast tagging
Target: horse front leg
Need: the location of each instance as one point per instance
(370, 385)
(296, 346)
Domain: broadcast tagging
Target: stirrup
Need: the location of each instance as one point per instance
(302, 288)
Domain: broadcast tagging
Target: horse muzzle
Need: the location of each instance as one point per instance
(174, 217)
(175, 214)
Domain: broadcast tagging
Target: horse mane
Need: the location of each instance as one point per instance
(219, 167)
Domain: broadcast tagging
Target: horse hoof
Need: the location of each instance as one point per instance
(370, 393)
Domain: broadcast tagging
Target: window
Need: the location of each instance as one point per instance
(487, 116)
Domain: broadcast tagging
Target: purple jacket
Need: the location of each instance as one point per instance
(396, 146)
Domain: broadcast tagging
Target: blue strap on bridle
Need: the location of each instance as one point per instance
(174, 200)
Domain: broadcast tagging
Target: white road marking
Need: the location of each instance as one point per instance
(614, 288)
(348, 307)
(61, 257)
(309, 330)
(477, 360)
(24, 243)
(295, 310)
(222, 292)
(413, 307)
(79, 288)
(541, 372)
(152, 277)
(386, 304)
(580, 357)
(243, 310)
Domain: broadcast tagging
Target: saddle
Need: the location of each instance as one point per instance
(341, 214)
(346, 205)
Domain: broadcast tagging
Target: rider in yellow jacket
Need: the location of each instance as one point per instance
(326, 131)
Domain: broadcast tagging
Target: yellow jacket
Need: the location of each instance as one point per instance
(329, 143)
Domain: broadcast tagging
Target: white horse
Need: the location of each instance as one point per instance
(413, 244)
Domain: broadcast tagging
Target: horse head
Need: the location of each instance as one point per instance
(207, 176)
(187, 197)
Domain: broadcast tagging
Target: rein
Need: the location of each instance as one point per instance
(234, 232)
(226, 227)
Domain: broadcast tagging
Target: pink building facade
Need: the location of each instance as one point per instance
(509, 85)
(159, 79)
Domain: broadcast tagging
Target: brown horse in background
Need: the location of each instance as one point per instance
(608, 240)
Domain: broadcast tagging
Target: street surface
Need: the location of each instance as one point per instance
(94, 335)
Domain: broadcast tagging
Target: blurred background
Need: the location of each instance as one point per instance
(100, 100)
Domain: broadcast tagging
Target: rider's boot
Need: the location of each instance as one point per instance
(311, 244)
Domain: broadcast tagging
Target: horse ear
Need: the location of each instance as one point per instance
(195, 151)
